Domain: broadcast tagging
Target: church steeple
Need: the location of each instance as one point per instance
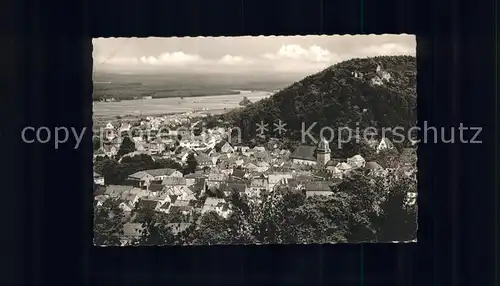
(323, 152)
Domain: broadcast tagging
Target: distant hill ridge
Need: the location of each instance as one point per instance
(378, 91)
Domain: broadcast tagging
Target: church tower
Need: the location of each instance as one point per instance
(323, 152)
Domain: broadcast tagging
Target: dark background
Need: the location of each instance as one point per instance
(46, 193)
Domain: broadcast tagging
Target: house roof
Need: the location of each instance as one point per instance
(132, 229)
(173, 198)
(238, 173)
(210, 201)
(321, 186)
(155, 187)
(275, 178)
(357, 158)
(386, 141)
(343, 166)
(373, 165)
(138, 175)
(216, 177)
(161, 172)
(148, 204)
(318, 193)
(194, 176)
(304, 152)
(203, 159)
(239, 187)
(116, 190)
(173, 181)
(197, 187)
(165, 206)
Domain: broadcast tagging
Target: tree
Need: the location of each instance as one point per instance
(109, 169)
(389, 158)
(215, 192)
(191, 164)
(212, 229)
(127, 146)
(398, 219)
(364, 197)
(96, 143)
(109, 220)
(155, 230)
(166, 163)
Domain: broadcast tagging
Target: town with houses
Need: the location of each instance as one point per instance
(222, 167)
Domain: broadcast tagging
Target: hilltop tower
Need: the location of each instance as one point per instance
(323, 152)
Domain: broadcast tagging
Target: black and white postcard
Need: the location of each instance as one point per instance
(255, 140)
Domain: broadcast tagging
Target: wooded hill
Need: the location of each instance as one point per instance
(351, 93)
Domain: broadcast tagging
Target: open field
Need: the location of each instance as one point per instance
(160, 106)
(129, 87)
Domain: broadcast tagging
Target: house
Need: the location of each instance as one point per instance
(109, 126)
(193, 178)
(131, 232)
(160, 174)
(125, 206)
(130, 198)
(344, 167)
(174, 181)
(149, 204)
(140, 179)
(251, 167)
(215, 205)
(239, 174)
(309, 155)
(109, 150)
(276, 178)
(199, 188)
(165, 207)
(99, 153)
(223, 210)
(98, 179)
(227, 148)
(204, 161)
(155, 147)
(99, 200)
(115, 191)
(384, 144)
(229, 187)
(215, 180)
(356, 161)
(374, 169)
(259, 149)
(243, 149)
(411, 198)
(291, 184)
(335, 172)
(155, 187)
(259, 184)
(318, 188)
(184, 155)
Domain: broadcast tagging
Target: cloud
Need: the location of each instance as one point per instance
(296, 52)
(234, 60)
(176, 58)
(387, 49)
(287, 58)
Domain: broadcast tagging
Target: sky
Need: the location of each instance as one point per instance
(282, 54)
